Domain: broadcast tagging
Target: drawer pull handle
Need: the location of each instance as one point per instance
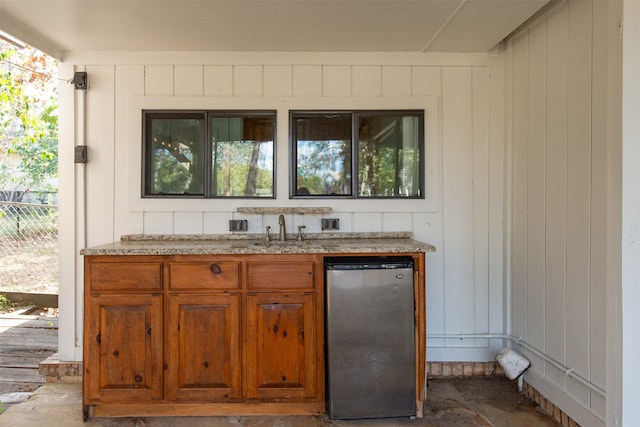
(215, 269)
(138, 378)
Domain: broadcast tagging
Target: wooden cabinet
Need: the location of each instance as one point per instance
(204, 355)
(204, 347)
(126, 352)
(282, 341)
(281, 346)
(211, 335)
(195, 334)
(123, 333)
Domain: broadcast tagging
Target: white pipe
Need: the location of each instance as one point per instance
(81, 206)
(518, 341)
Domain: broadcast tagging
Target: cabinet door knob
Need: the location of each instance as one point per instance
(215, 269)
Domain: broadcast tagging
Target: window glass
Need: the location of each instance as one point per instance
(237, 160)
(323, 155)
(242, 156)
(384, 147)
(388, 155)
(176, 164)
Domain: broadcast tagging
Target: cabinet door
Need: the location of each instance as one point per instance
(124, 345)
(204, 352)
(281, 350)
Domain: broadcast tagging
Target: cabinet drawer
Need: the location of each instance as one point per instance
(280, 275)
(204, 275)
(125, 276)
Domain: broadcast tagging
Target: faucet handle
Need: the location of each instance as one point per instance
(300, 228)
(267, 235)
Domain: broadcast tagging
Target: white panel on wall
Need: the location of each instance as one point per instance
(427, 227)
(188, 80)
(247, 80)
(158, 80)
(100, 146)
(481, 118)
(158, 223)
(579, 61)
(397, 221)
(218, 80)
(366, 80)
(559, 195)
(367, 221)
(536, 191)
(278, 80)
(459, 269)
(556, 194)
(307, 80)
(336, 80)
(266, 87)
(256, 222)
(426, 81)
(519, 214)
(598, 244)
(188, 223)
(129, 82)
(70, 227)
(396, 81)
(598, 404)
(499, 114)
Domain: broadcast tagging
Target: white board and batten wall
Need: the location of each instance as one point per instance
(558, 201)
(521, 196)
(462, 213)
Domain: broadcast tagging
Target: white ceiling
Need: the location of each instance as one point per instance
(56, 26)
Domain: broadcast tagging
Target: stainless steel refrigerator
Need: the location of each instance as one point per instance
(370, 337)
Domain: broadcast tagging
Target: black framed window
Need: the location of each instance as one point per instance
(384, 148)
(209, 154)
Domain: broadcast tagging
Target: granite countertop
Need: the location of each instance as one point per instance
(239, 244)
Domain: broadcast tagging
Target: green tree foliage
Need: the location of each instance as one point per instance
(240, 170)
(171, 176)
(28, 119)
(324, 167)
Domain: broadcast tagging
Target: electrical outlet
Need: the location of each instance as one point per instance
(330, 223)
(238, 225)
(80, 80)
(80, 154)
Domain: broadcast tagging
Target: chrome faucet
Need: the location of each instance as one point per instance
(283, 229)
(299, 237)
(267, 235)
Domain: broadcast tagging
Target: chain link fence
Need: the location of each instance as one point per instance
(28, 247)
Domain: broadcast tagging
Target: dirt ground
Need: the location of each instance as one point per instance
(31, 272)
(32, 269)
